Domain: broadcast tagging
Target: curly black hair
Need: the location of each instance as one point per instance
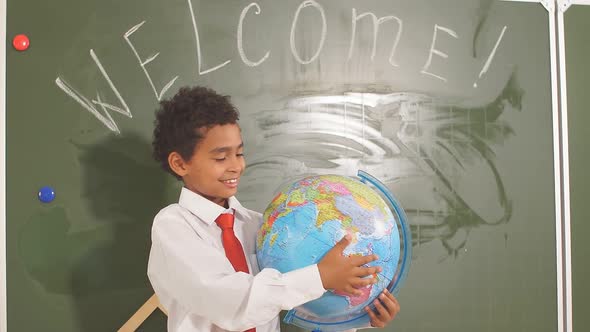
(180, 119)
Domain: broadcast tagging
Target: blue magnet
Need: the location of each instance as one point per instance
(46, 194)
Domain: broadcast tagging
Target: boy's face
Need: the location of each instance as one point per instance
(216, 165)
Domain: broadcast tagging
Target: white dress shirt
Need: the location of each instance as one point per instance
(197, 284)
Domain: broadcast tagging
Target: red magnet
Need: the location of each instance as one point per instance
(20, 42)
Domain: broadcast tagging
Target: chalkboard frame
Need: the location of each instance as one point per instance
(564, 262)
(3, 309)
(556, 10)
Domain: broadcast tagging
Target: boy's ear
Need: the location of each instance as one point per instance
(177, 164)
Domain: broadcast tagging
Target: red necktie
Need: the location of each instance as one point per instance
(232, 246)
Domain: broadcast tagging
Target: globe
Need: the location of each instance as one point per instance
(307, 218)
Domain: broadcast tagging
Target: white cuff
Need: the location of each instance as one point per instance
(308, 282)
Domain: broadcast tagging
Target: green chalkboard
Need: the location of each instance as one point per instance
(450, 108)
(578, 79)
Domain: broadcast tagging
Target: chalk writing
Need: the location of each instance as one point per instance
(486, 66)
(106, 119)
(376, 23)
(143, 63)
(254, 7)
(436, 51)
(240, 37)
(323, 35)
(199, 56)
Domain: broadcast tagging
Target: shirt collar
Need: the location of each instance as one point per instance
(203, 208)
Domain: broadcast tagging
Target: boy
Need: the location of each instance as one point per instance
(204, 271)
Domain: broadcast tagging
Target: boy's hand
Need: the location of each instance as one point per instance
(386, 307)
(346, 274)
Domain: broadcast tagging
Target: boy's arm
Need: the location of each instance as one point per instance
(202, 280)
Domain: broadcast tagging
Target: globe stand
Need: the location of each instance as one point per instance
(306, 320)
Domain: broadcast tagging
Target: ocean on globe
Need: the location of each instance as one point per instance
(308, 217)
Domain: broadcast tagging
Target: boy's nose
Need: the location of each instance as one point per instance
(236, 165)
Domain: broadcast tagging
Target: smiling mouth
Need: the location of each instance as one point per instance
(230, 181)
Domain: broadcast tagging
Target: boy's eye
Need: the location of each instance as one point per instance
(240, 154)
(219, 159)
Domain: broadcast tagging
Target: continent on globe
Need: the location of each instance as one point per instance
(308, 217)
